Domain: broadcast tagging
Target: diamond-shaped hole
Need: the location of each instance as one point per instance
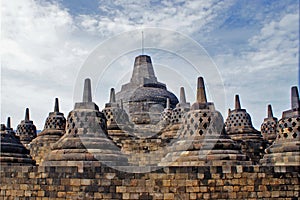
(294, 135)
(201, 132)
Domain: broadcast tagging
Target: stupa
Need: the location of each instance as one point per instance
(268, 127)
(285, 151)
(26, 130)
(13, 151)
(181, 108)
(117, 120)
(115, 115)
(86, 139)
(239, 127)
(178, 113)
(202, 140)
(144, 97)
(53, 130)
(166, 115)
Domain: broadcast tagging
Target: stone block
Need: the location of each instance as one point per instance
(168, 196)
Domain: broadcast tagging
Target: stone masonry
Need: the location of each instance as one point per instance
(146, 145)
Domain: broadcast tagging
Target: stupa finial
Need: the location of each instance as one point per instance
(201, 95)
(182, 96)
(112, 98)
(27, 114)
(294, 97)
(168, 104)
(8, 124)
(237, 102)
(270, 112)
(56, 105)
(87, 91)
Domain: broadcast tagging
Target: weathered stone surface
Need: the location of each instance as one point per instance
(166, 115)
(202, 140)
(116, 116)
(285, 151)
(209, 182)
(53, 130)
(13, 151)
(181, 108)
(26, 130)
(196, 157)
(144, 97)
(86, 137)
(239, 127)
(268, 127)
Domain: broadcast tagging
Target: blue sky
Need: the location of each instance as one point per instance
(254, 44)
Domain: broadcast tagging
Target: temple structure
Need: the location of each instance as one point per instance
(269, 126)
(13, 152)
(86, 137)
(285, 151)
(181, 108)
(53, 130)
(26, 130)
(147, 145)
(202, 139)
(239, 127)
(144, 98)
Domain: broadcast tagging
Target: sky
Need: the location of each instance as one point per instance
(251, 47)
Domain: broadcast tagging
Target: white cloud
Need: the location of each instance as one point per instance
(264, 73)
(39, 56)
(44, 47)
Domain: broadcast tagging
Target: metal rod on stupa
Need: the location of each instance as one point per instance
(112, 98)
(201, 96)
(294, 97)
(27, 114)
(56, 105)
(87, 91)
(182, 96)
(8, 124)
(270, 112)
(237, 102)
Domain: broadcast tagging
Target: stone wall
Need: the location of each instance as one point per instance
(224, 182)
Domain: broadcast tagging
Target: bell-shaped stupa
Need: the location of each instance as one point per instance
(239, 127)
(181, 108)
(53, 130)
(268, 127)
(285, 151)
(144, 97)
(13, 152)
(26, 130)
(202, 140)
(115, 115)
(166, 115)
(86, 137)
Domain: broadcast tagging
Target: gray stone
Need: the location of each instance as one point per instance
(285, 150)
(144, 98)
(239, 127)
(54, 129)
(269, 126)
(86, 137)
(13, 152)
(202, 140)
(294, 98)
(26, 130)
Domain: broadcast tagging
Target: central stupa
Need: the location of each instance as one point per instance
(144, 98)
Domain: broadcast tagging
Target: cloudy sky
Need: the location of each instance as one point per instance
(254, 46)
